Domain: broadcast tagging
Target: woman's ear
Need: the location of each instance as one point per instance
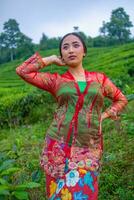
(84, 55)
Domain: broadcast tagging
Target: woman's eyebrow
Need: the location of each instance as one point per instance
(65, 44)
(75, 42)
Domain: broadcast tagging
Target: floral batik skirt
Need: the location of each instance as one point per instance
(71, 172)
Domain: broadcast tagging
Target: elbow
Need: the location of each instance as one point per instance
(124, 103)
(18, 71)
(124, 100)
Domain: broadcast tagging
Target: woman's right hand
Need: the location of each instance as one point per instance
(57, 60)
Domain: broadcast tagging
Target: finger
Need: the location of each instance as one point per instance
(62, 59)
(59, 57)
(63, 62)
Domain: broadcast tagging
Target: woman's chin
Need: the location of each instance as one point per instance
(73, 64)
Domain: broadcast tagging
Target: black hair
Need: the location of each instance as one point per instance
(77, 35)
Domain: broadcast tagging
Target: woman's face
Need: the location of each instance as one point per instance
(72, 51)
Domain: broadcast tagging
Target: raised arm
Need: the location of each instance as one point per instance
(29, 71)
(119, 101)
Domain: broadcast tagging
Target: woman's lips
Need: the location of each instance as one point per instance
(72, 57)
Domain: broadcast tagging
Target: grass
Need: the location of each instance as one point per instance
(25, 143)
(21, 145)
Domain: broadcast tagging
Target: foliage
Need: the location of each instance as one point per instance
(23, 108)
(26, 113)
(119, 26)
(13, 43)
(49, 43)
(43, 42)
(99, 41)
(19, 178)
(11, 32)
(116, 180)
(21, 148)
(24, 46)
(21, 103)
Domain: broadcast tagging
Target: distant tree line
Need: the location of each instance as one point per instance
(14, 44)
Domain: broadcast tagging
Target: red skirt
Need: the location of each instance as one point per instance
(71, 172)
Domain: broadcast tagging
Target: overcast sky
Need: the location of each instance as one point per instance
(58, 17)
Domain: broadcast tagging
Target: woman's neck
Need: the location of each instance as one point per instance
(78, 73)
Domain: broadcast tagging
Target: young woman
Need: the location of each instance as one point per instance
(73, 144)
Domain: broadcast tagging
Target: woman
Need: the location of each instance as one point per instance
(73, 144)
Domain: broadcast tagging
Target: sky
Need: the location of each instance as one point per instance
(58, 17)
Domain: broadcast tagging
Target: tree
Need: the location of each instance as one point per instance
(13, 43)
(89, 41)
(53, 43)
(11, 31)
(43, 42)
(2, 40)
(4, 51)
(119, 26)
(83, 35)
(99, 41)
(25, 46)
(103, 29)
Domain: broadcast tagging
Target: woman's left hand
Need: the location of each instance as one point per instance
(104, 115)
(58, 61)
(54, 59)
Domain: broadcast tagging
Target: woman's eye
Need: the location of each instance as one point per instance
(76, 45)
(65, 47)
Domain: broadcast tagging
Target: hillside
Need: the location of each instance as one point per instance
(114, 61)
(26, 113)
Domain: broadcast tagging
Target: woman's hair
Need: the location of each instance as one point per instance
(77, 35)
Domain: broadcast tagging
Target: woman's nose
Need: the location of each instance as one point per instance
(71, 50)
